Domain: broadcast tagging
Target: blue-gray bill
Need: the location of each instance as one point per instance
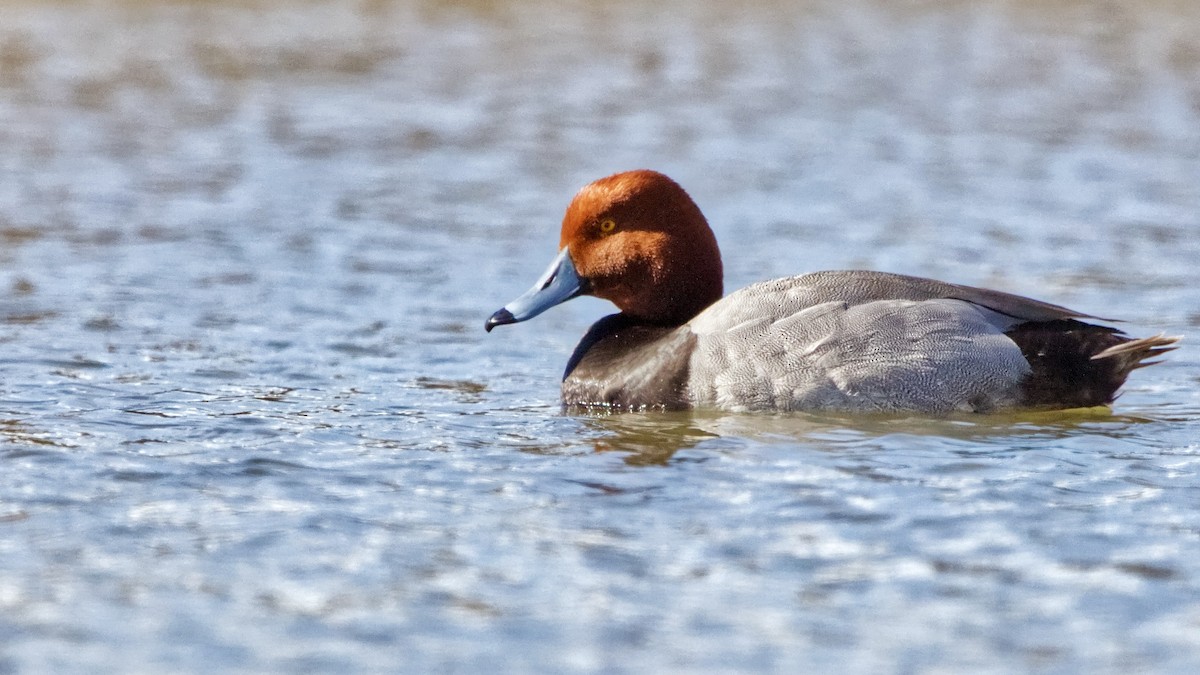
(559, 283)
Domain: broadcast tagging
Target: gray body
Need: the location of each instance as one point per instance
(843, 340)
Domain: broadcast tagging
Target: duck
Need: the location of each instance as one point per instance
(842, 340)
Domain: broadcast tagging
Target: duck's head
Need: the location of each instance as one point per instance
(635, 239)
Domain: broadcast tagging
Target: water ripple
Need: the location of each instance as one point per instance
(249, 421)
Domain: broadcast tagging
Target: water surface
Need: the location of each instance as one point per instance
(250, 421)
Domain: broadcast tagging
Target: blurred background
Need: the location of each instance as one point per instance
(1019, 143)
(249, 417)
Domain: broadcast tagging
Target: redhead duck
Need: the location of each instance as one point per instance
(838, 341)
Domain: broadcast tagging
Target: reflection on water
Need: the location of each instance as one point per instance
(655, 439)
(248, 418)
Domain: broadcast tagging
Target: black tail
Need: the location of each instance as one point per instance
(1079, 365)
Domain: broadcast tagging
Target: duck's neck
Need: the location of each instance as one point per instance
(689, 298)
(690, 280)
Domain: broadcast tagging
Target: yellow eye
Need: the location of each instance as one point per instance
(607, 226)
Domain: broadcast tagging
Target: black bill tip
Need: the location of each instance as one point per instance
(501, 317)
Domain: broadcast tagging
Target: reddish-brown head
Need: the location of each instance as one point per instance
(639, 241)
(636, 239)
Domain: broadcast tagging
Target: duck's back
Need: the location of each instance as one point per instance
(862, 341)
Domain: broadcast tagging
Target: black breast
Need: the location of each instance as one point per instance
(624, 364)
